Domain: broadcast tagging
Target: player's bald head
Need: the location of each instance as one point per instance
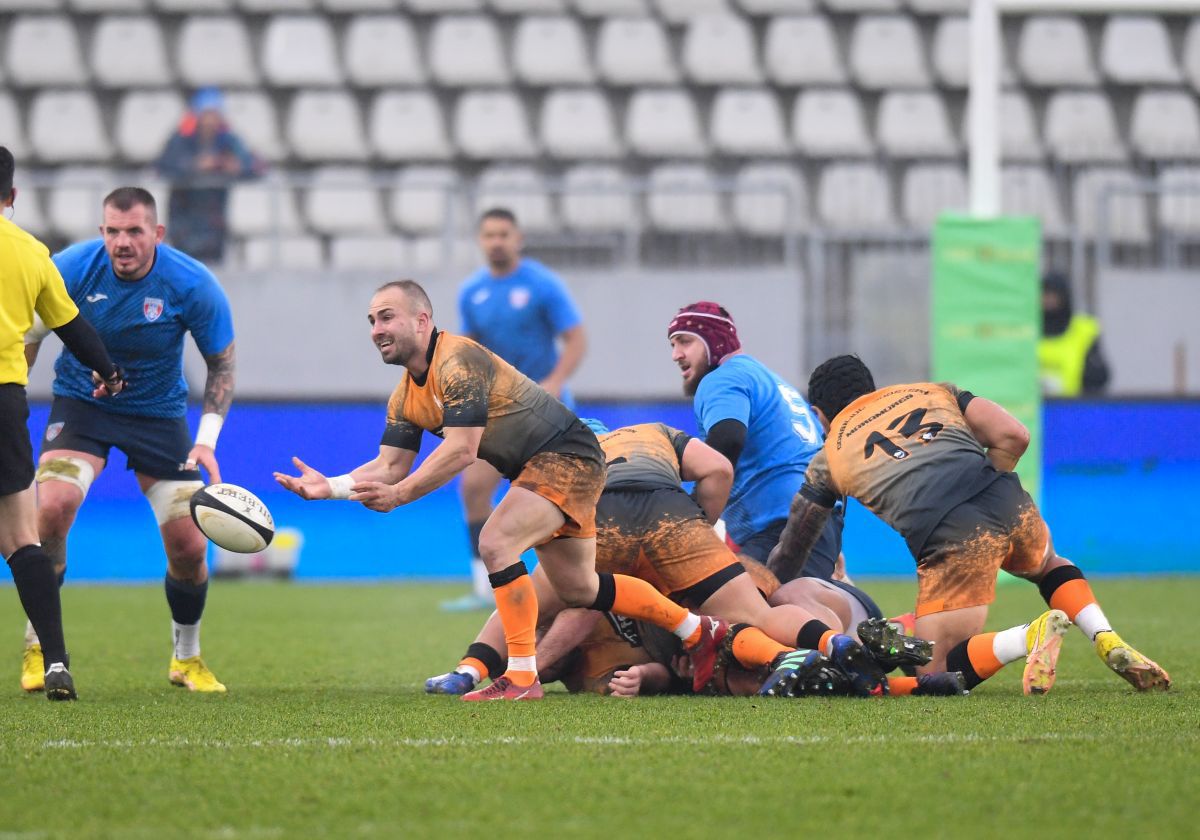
(411, 292)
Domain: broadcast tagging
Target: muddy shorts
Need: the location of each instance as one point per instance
(573, 484)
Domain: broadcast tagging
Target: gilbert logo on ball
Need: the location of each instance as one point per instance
(233, 518)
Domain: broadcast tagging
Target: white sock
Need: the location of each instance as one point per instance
(522, 663)
(31, 636)
(1010, 645)
(479, 579)
(688, 626)
(187, 640)
(1092, 621)
(470, 670)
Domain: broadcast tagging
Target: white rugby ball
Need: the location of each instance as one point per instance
(233, 518)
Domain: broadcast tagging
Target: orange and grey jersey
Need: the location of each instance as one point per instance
(644, 457)
(467, 385)
(907, 453)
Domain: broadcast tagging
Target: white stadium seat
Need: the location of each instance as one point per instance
(28, 208)
(1054, 51)
(720, 50)
(855, 198)
(359, 6)
(1127, 218)
(275, 6)
(299, 50)
(748, 123)
(424, 199)
(66, 126)
(929, 190)
(551, 51)
(432, 7)
(770, 199)
(776, 7)
(344, 200)
(7, 6)
(296, 252)
(252, 115)
(215, 50)
(14, 132)
(886, 52)
(1179, 200)
(465, 50)
(369, 253)
(521, 189)
(578, 124)
(803, 50)
(914, 124)
(114, 64)
(527, 7)
(1165, 125)
(324, 125)
(381, 50)
(1019, 139)
(434, 254)
(1030, 191)
(178, 7)
(1191, 53)
(680, 11)
(1136, 50)
(91, 7)
(1080, 126)
(43, 50)
(408, 125)
(73, 206)
(664, 123)
(845, 6)
(683, 198)
(263, 207)
(634, 51)
(145, 122)
(598, 199)
(830, 123)
(949, 53)
(612, 8)
(492, 124)
(937, 7)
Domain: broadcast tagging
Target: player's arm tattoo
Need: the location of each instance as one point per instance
(218, 387)
(806, 520)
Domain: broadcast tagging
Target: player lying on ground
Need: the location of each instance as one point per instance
(935, 463)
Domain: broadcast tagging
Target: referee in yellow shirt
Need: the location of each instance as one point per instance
(30, 283)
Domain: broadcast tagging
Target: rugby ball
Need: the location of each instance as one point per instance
(233, 518)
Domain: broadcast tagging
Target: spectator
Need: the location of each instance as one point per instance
(1070, 361)
(201, 160)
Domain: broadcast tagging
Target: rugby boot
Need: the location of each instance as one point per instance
(59, 685)
(1043, 640)
(33, 670)
(866, 677)
(941, 684)
(786, 669)
(890, 648)
(704, 652)
(824, 680)
(1141, 673)
(468, 603)
(502, 688)
(193, 674)
(452, 683)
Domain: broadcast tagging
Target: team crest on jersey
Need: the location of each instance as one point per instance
(152, 308)
(53, 430)
(480, 296)
(518, 298)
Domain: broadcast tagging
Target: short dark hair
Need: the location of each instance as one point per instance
(8, 165)
(838, 382)
(499, 213)
(126, 198)
(412, 290)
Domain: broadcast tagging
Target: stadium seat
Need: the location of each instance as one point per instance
(43, 50)
(258, 7)
(179, 7)
(324, 125)
(381, 50)
(114, 64)
(252, 115)
(436, 254)
(344, 200)
(612, 8)
(492, 124)
(145, 122)
(1191, 53)
(683, 198)
(770, 199)
(15, 6)
(855, 198)
(298, 50)
(680, 11)
(521, 189)
(360, 6)
(855, 6)
(1126, 219)
(803, 50)
(929, 190)
(748, 123)
(424, 200)
(1179, 200)
(215, 50)
(937, 7)
(1019, 138)
(551, 51)
(27, 210)
(66, 126)
(1029, 190)
(1165, 125)
(578, 124)
(597, 199)
(408, 125)
(528, 7)
(93, 7)
(1136, 50)
(886, 52)
(369, 253)
(74, 202)
(295, 252)
(830, 123)
(664, 123)
(949, 53)
(719, 49)
(464, 50)
(14, 132)
(264, 207)
(776, 7)
(1053, 51)
(914, 124)
(634, 51)
(431, 7)
(1080, 126)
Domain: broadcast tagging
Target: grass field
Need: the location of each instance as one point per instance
(325, 732)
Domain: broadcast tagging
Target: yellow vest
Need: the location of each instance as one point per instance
(1061, 357)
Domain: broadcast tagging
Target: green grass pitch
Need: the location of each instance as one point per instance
(325, 732)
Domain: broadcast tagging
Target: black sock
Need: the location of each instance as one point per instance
(810, 634)
(606, 594)
(37, 587)
(959, 660)
(489, 656)
(186, 600)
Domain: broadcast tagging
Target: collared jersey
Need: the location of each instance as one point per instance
(907, 453)
(647, 456)
(142, 323)
(29, 282)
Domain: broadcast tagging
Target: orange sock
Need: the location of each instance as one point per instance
(472, 662)
(902, 686)
(1071, 597)
(982, 656)
(635, 598)
(516, 601)
(824, 646)
(752, 647)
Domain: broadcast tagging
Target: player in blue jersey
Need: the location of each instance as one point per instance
(760, 423)
(522, 312)
(142, 296)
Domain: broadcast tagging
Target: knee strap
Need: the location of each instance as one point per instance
(171, 500)
(69, 470)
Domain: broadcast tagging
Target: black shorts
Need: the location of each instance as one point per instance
(16, 453)
(824, 555)
(153, 446)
